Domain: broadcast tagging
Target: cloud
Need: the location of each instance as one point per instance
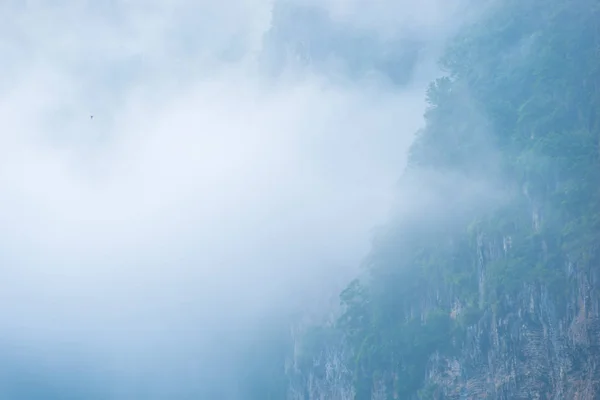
(428, 18)
(201, 196)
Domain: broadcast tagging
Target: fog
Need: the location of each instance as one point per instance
(161, 196)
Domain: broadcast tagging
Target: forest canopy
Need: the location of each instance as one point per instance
(516, 113)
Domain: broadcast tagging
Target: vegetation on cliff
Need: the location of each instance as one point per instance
(516, 116)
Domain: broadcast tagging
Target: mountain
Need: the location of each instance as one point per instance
(486, 282)
(305, 38)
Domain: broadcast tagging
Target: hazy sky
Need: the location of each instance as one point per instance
(202, 194)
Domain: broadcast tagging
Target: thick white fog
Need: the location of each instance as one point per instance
(159, 194)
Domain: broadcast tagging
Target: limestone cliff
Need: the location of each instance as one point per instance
(486, 284)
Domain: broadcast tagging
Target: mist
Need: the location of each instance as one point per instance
(163, 196)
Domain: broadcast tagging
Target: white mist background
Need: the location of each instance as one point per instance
(202, 196)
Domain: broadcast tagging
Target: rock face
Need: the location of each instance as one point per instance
(474, 297)
(533, 347)
(536, 344)
(307, 38)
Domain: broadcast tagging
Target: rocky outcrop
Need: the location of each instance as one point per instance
(538, 344)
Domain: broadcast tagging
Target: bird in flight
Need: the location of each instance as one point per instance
(91, 117)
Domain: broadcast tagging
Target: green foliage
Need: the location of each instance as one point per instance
(520, 104)
(518, 107)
